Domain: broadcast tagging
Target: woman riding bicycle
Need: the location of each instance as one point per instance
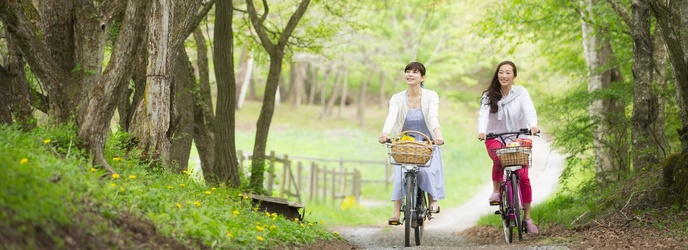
(505, 107)
(416, 108)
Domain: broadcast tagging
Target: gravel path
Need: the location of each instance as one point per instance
(441, 232)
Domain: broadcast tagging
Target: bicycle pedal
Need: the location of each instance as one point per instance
(494, 203)
(498, 212)
(394, 223)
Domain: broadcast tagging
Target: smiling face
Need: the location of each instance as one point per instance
(413, 76)
(506, 75)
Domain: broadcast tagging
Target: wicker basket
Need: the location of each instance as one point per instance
(411, 152)
(514, 156)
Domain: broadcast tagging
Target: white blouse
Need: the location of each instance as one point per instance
(517, 113)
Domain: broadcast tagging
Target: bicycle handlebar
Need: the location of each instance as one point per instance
(523, 131)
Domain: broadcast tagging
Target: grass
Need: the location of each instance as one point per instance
(45, 187)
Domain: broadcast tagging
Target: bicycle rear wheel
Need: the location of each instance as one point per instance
(419, 215)
(505, 212)
(408, 208)
(518, 216)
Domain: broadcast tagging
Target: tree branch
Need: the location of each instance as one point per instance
(622, 12)
(199, 17)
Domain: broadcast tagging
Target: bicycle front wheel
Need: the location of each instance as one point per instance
(504, 208)
(409, 207)
(517, 205)
(419, 215)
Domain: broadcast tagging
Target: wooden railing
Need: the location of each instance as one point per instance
(296, 177)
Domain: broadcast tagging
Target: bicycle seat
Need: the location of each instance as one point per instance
(512, 168)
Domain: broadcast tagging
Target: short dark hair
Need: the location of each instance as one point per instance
(416, 66)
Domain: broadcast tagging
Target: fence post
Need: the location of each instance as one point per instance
(299, 169)
(356, 188)
(286, 168)
(334, 185)
(324, 193)
(314, 182)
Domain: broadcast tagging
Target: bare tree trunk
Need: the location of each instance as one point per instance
(672, 17)
(598, 53)
(660, 78)
(104, 95)
(382, 96)
(312, 83)
(17, 92)
(204, 117)
(362, 102)
(226, 165)
(276, 52)
(327, 108)
(246, 76)
(345, 84)
(182, 113)
(644, 98)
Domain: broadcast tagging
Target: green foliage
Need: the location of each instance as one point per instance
(42, 190)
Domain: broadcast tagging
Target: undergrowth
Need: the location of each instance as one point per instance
(47, 183)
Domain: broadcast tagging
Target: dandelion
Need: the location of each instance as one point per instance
(259, 238)
(132, 176)
(182, 184)
(207, 192)
(322, 222)
(170, 187)
(46, 141)
(245, 197)
(259, 228)
(296, 219)
(93, 170)
(273, 227)
(186, 172)
(213, 189)
(235, 212)
(117, 159)
(178, 205)
(121, 189)
(115, 176)
(198, 204)
(113, 184)
(23, 160)
(336, 233)
(310, 224)
(302, 225)
(267, 213)
(230, 235)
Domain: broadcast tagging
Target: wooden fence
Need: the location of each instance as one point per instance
(304, 178)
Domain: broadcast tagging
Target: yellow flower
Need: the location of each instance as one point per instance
(115, 176)
(310, 224)
(23, 160)
(302, 225)
(267, 213)
(260, 228)
(296, 219)
(198, 204)
(235, 212)
(46, 141)
(207, 192)
(259, 238)
(117, 159)
(336, 233)
(230, 235)
(245, 197)
(170, 187)
(178, 205)
(132, 176)
(213, 189)
(93, 170)
(113, 184)
(186, 172)
(182, 184)
(322, 222)
(273, 227)
(121, 189)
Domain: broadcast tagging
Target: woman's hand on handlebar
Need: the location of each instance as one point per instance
(481, 136)
(534, 130)
(384, 138)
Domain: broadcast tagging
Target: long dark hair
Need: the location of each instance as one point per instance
(493, 92)
(416, 66)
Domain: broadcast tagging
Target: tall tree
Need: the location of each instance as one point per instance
(274, 43)
(672, 17)
(204, 117)
(225, 166)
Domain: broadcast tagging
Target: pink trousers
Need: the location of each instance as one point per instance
(498, 171)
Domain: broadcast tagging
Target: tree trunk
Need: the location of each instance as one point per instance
(104, 96)
(312, 79)
(345, 84)
(182, 113)
(383, 98)
(362, 102)
(245, 78)
(204, 118)
(672, 19)
(644, 98)
(598, 53)
(327, 108)
(17, 92)
(276, 52)
(226, 165)
(660, 78)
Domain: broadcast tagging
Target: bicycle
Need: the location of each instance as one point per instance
(412, 156)
(513, 157)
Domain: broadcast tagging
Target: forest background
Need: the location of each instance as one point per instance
(163, 78)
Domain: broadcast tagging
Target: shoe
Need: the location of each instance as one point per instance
(494, 199)
(435, 210)
(530, 227)
(393, 221)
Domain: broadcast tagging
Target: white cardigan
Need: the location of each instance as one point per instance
(398, 108)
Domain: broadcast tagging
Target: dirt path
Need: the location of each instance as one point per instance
(441, 233)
